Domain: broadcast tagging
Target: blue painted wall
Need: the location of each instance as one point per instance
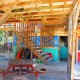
(54, 41)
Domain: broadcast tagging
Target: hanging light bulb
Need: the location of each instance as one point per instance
(64, 27)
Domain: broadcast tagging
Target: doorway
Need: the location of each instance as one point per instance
(63, 48)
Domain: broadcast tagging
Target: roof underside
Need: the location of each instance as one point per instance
(53, 12)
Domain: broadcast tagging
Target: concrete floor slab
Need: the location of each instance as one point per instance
(55, 71)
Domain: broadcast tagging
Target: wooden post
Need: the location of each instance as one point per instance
(44, 41)
(41, 37)
(69, 46)
(73, 30)
(31, 39)
(76, 47)
(31, 55)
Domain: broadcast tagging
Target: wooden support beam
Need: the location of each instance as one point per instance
(24, 13)
(44, 11)
(39, 7)
(2, 1)
(37, 16)
(23, 3)
(75, 20)
(6, 29)
(7, 14)
(34, 18)
(75, 3)
(77, 46)
(74, 17)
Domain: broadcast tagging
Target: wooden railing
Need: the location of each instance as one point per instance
(27, 41)
(46, 38)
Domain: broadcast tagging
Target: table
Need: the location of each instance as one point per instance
(21, 66)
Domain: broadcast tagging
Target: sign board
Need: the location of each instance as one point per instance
(56, 41)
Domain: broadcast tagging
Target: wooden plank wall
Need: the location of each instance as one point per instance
(56, 30)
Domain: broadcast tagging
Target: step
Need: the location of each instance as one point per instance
(43, 53)
(46, 56)
(49, 59)
(39, 50)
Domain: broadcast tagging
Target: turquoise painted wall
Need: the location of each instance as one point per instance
(14, 48)
(54, 51)
(14, 51)
(63, 52)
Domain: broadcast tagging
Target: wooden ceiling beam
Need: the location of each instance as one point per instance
(41, 12)
(55, 15)
(38, 15)
(51, 19)
(46, 7)
(54, 22)
(44, 12)
(10, 21)
(43, 8)
(56, 0)
(28, 3)
(47, 18)
(22, 3)
(6, 29)
(7, 14)
(56, 25)
(42, 1)
(2, 1)
(48, 24)
(63, 6)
